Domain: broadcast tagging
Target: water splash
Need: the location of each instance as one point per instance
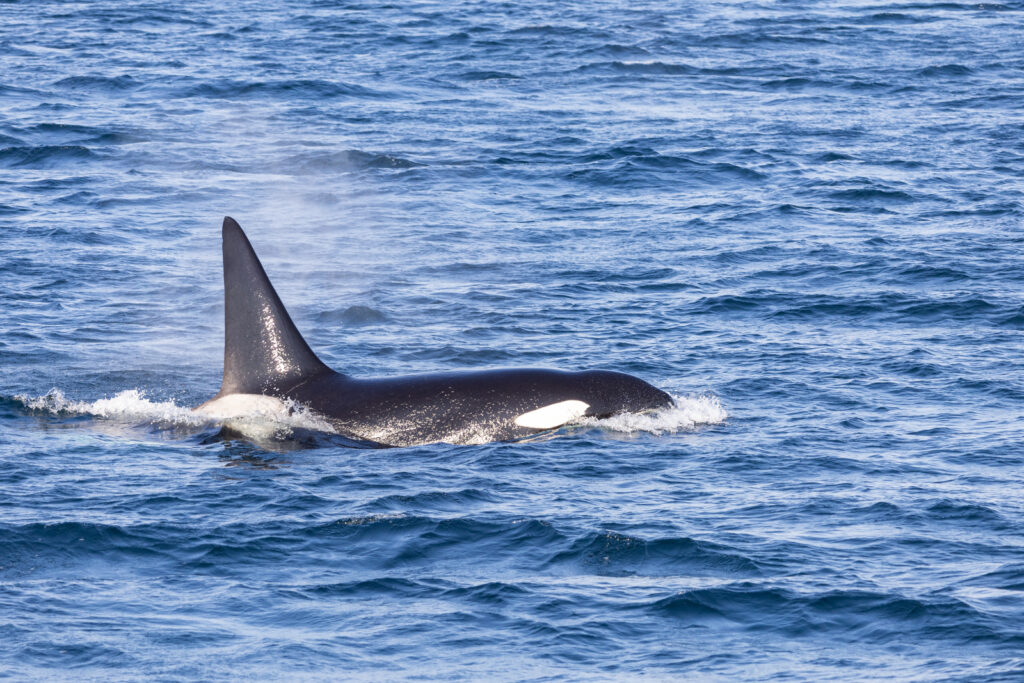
(126, 405)
(684, 413)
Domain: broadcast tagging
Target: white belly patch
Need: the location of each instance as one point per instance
(554, 415)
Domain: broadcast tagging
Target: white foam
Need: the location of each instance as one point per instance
(684, 413)
(258, 419)
(126, 405)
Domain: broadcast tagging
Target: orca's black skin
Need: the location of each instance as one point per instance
(265, 354)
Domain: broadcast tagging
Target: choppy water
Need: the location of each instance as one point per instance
(803, 220)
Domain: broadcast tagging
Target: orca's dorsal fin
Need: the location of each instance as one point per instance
(263, 351)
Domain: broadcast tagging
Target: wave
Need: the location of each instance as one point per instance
(353, 315)
(866, 195)
(296, 89)
(488, 76)
(12, 90)
(45, 156)
(123, 82)
(945, 70)
(891, 306)
(345, 160)
(863, 614)
(665, 171)
(644, 68)
(614, 554)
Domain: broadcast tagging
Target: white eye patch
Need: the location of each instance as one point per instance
(554, 415)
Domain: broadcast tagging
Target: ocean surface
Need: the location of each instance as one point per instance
(802, 220)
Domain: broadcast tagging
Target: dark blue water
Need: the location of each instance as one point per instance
(804, 221)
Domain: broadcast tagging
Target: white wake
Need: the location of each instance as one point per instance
(262, 420)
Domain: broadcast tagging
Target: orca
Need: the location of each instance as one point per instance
(267, 363)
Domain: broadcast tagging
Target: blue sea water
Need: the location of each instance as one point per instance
(801, 219)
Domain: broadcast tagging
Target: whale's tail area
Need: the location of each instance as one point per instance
(263, 351)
